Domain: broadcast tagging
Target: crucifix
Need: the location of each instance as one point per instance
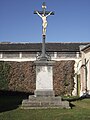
(44, 14)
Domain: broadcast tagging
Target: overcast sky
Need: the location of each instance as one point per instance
(71, 22)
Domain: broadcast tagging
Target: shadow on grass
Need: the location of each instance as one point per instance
(11, 100)
(71, 105)
(76, 98)
(86, 96)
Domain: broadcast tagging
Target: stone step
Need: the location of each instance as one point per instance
(33, 98)
(40, 104)
(28, 102)
(47, 93)
(44, 102)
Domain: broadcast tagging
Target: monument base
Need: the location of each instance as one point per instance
(44, 102)
(44, 93)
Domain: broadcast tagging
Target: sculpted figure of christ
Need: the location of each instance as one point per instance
(44, 21)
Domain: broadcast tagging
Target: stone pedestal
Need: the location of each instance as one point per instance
(44, 94)
(44, 78)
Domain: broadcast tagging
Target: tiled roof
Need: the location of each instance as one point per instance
(38, 46)
(84, 48)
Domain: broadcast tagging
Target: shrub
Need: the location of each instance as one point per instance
(4, 72)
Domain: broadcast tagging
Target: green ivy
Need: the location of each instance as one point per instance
(4, 71)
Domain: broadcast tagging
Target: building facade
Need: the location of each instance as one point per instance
(57, 51)
(85, 70)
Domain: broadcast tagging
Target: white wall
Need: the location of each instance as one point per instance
(85, 55)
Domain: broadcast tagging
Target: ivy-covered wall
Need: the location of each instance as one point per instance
(64, 77)
(21, 76)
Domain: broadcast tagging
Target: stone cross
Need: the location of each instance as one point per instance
(43, 14)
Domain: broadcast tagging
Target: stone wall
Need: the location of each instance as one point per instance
(21, 76)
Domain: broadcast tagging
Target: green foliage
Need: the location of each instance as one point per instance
(4, 71)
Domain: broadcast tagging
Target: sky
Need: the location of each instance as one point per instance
(71, 22)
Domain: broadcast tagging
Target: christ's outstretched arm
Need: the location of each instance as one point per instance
(39, 14)
(49, 14)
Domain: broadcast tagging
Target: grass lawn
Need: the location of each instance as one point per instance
(10, 110)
